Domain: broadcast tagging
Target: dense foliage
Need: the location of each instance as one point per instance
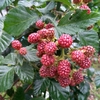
(49, 49)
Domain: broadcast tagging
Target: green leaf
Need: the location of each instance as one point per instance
(5, 3)
(6, 78)
(40, 85)
(10, 59)
(77, 22)
(97, 81)
(90, 71)
(1, 25)
(57, 92)
(25, 72)
(46, 9)
(19, 19)
(31, 54)
(89, 38)
(38, 98)
(19, 94)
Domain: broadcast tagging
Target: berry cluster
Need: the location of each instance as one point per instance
(16, 44)
(61, 67)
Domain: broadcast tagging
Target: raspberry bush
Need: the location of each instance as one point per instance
(49, 49)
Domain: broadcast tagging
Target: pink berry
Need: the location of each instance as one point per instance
(47, 60)
(77, 56)
(65, 41)
(86, 63)
(16, 44)
(85, 7)
(78, 77)
(41, 46)
(40, 24)
(23, 51)
(64, 68)
(44, 71)
(50, 48)
(33, 38)
(49, 25)
(51, 33)
(43, 33)
(72, 83)
(64, 82)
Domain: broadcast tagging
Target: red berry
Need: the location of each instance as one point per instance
(41, 46)
(39, 54)
(49, 25)
(64, 68)
(53, 71)
(65, 41)
(78, 77)
(33, 38)
(43, 33)
(88, 50)
(47, 60)
(23, 51)
(51, 33)
(64, 82)
(76, 1)
(72, 83)
(86, 63)
(44, 71)
(87, 1)
(16, 44)
(77, 56)
(50, 48)
(85, 7)
(40, 24)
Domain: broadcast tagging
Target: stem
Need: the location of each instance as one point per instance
(28, 88)
(63, 54)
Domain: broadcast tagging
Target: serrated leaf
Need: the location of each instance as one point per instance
(77, 22)
(5, 3)
(25, 72)
(57, 92)
(38, 98)
(40, 85)
(24, 18)
(97, 81)
(46, 9)
(89, 38)
(90, 71)
(31, 54)
(6, 78)
(10, 59)
(19, 94)
(1, 25)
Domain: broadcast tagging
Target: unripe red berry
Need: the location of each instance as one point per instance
(43, 33)
(72, 83)
(50, 48)
(34, 38)
(87, 1)
(49, 25)
(63, 68)
(65, 41)
(86, 63)
(51, 33)
(44, 71)
(77, 56)
(40, 24)
(47, 60)
(78, 77)
(64, 82)
(16, 44)
(76, 1)
(23, 51)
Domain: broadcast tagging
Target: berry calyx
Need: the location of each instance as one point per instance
(23, 51)
(78, 77)
(50, 48)
(65, 41)
(47, 60)
(40, 24)
(76, 1)
(16, 44)
(44, 71)
(77, 56)
(63, 68)
(33, 38)
(86, 63)
(64, 82)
